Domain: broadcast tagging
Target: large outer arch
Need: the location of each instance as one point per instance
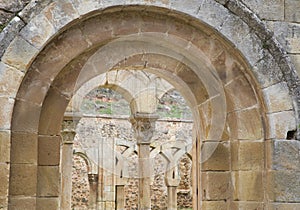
(251, 47)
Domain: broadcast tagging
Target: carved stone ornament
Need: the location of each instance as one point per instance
(143, 125)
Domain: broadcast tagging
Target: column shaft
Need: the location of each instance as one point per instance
(172, 198)
(144, 177)
(93, 182)
(66, 176)
(120, 197)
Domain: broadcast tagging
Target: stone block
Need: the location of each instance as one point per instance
(26, 117)
(24, 203)
(248, 186)
(94, 26)
(49, 150)
(85, 6)
(268, 10)
(180, 29)
(24, 148)
(71, 43)
(287, 34)
(284, 186)
(160, 4)
(47, 203)
(126, 24)
(10, 78)
(4, 203)
(234, 29)
(33, 88)
(216, 185)
(191, 78)
(7, 105)
(280, 123)
(244, 129)
(19, 54)
(234, 157)
(219, 161)
(150, 24)
(32, 9)
(187, 6)
(48, 64)
(240, 94)
(292, 10)
(277, 98)
(283, 206)
(213, 205)
(4, 146)
(296, 61)
(284, 155)
(23, 179)
(13, 6)
(252, 47)
(60, 13)
(48, 181)
(53, 112)
(226, 67)
(212, 13)
(247, 155)
(251, 156)
(237, 205)
(38, 31)
(4, 177)
(109, 205)
(205, 112)
(267, 71)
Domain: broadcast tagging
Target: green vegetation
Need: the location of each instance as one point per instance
(104, 101)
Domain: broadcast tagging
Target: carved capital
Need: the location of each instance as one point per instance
(93, 178)
(68, 129)
(143, 125)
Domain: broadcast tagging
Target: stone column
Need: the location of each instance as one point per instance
(68, 134)
(144, 126)
(93, 182)
(120, 198)
(120, 192)
(172, 180)
(106, 162)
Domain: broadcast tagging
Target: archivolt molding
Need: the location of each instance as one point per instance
(60, 40)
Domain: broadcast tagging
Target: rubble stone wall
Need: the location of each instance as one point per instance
(89, 132)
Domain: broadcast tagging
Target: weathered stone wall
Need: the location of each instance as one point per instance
(281, 16)
(184, 192)
(80, 184)
(90, 131)
(9, 9)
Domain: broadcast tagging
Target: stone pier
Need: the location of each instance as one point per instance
(93, 183)
(68, 133)
(144, 126)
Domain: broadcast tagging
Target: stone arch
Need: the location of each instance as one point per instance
(125, 86)
(90, 165)
(30, 98)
